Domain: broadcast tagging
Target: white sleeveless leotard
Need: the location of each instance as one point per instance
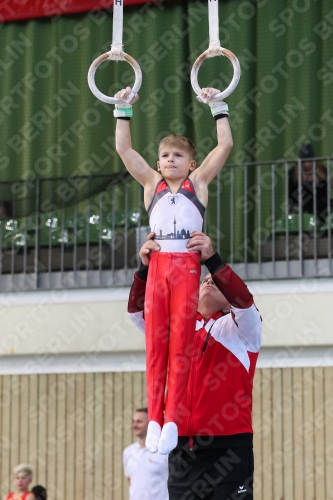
(173, 217)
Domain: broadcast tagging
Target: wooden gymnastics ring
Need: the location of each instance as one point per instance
(119, 57)
(115, 54)
(217, 52)
(214, 50)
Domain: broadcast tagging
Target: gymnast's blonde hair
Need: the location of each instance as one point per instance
(26, 468)
(178, 141)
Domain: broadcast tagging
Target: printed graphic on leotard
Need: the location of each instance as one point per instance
(175, 235)
(174, 216)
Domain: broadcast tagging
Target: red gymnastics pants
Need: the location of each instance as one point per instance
(170, 315)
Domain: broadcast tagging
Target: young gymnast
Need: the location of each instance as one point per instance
(175, 196)
(22, 478)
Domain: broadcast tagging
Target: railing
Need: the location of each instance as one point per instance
(84, 231)
(87, 231)
(277, 227)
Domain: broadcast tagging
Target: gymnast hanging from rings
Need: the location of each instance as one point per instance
(175, 196)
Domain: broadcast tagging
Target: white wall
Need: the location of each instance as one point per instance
(94, 324)
(295, 312)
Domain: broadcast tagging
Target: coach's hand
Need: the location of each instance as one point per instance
(200, 242)
(149, 246)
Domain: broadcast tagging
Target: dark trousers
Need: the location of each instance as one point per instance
(211, 474)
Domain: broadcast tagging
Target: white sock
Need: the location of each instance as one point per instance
(153, 436)
(169, 438)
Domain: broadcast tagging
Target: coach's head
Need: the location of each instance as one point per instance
(211, 299)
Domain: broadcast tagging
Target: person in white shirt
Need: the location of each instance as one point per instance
(147, 472)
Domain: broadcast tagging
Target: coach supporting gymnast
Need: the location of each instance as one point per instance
(214, 456)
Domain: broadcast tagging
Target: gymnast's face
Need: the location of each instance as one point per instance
(22, 481)
(174, 163)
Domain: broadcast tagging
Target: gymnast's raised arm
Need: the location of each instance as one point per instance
(133, 161)
(216, 159)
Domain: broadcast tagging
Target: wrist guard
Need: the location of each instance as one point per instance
(124, 111)
(219, 109)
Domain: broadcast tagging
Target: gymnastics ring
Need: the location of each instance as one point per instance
(220, 51)
(115, 54)
(122, 56)
(214, 50)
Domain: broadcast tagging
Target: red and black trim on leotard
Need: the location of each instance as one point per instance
(161, 189)
(186, 189)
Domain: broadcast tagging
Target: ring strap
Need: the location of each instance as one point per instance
(213, 19)
(214, 50)
(116, 52)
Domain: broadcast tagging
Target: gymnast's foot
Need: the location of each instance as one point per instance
(169, 438)
(153, 436)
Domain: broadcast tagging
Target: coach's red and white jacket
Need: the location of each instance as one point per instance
(225, 351)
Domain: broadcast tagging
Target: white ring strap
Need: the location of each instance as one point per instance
(117, 28)
(115, 54)
(214, 50)
(213, 20)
